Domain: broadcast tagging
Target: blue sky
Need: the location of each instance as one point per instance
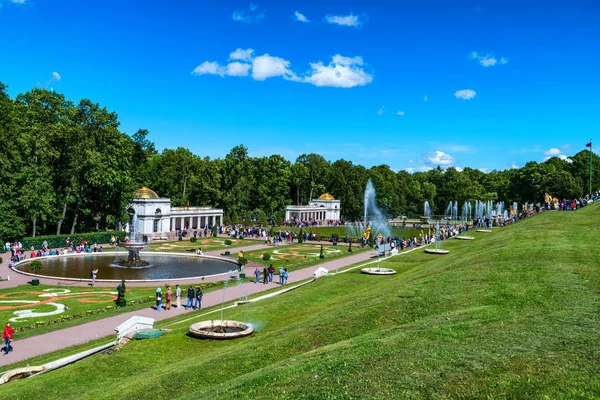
(484, 84)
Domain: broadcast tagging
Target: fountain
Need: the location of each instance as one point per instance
(221, 329)
(378, 270)
(134, 245)
(378, 223)
(438, 243)
(465, 217)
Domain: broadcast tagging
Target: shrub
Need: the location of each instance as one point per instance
(228, 242)
(242, 261)
(35, 266)
(266, 256)
(193, 239)
(180, 238)
(55, 241)
(2, 248)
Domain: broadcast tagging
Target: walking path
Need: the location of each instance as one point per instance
(63, 338)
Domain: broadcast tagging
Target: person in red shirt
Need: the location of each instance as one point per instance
(7, 335)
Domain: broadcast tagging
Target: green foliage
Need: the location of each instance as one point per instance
(300, 235)
(350, 246)
(266, 256)
(227, 242)
(35, 266)
(279, 218)
(58, 241)
(262, 219)
(2, 247)
(242, 261)
(180, 238)
(193, 239)
(235, 219)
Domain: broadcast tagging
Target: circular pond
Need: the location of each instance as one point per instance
(161, 266)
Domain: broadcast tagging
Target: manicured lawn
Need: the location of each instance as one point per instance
(512, 314)
(207, 244)
(341, 231)
(83, 304)
(298, 256)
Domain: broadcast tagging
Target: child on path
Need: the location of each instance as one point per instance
(199, 296)
(7, 335)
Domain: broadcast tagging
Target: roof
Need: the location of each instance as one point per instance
(145, 193)
(326, 196)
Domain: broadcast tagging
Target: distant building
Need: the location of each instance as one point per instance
(152, 215)
(325, 208)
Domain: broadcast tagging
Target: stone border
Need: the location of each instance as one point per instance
(437, 251)
(159, 253)
(484, 230)
(378, 271)
(197, 332)
(464, 237)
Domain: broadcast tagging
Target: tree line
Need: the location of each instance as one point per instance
(65, 167)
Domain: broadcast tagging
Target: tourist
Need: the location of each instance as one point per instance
(178, 296)
(199, 252)
(265, 275)
(281, 275)
(158, 299)
(199, 296)
(190, 297)
(169, 297)
(7, 335)
(94, 275)
(256, 275)
(285, 276)
(271, 272)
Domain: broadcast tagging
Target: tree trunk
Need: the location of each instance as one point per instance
(64, 213)
(298, 195)
(76, 217)
(34, 223)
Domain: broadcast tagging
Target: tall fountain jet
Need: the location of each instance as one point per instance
(135, 244)
(372, 216)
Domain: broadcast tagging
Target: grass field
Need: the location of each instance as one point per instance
(512, 314)
(299, 256)
(83, 304)
(328, 231)
(207, 244)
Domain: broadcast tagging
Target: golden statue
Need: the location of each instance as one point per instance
(367, 233)
(547, 198)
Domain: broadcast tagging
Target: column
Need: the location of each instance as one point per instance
(182, 223)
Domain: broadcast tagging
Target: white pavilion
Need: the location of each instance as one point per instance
(154, 215)
(324, 208)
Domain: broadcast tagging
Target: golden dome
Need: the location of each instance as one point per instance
(145, 193)
(326, 196)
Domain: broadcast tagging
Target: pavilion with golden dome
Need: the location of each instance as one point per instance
(154, 216)
(325, 208)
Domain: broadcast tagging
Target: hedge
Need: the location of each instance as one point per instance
(2, 248)
(59, 241)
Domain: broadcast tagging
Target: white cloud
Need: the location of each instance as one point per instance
(248, 16)
(410, 161)
(300, 17)
(487, 60)
(18, 1)
(380, 110)
(56, 76)
(484, 170)
(459, 169)
(237, 69)
(400, 113)
(266, 66)
(514, 165)
(465, 94)
(242, 55)
(343, 72)
(438, 158)
(410, 170)
(425, 168)
(213, 68)
(425, 98)
(552, 152)
(344, 20)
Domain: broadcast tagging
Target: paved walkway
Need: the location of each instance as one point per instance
(63, 338)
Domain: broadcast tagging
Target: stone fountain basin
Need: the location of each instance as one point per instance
(437, 251)
(484, 230)
(378, 271)
(464, 237)
(220, 329)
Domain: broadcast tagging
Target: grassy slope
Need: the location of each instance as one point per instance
(512, 314)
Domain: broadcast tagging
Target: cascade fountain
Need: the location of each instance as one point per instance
(465, 218)
(438, 243)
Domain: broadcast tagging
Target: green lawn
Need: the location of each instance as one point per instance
(512, 314)
(84, 304)
(328, 231)
(207, 244)
(298, 256)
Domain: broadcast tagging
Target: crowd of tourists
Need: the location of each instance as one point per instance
(299, 223)
(19, 253)
(268, 274)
